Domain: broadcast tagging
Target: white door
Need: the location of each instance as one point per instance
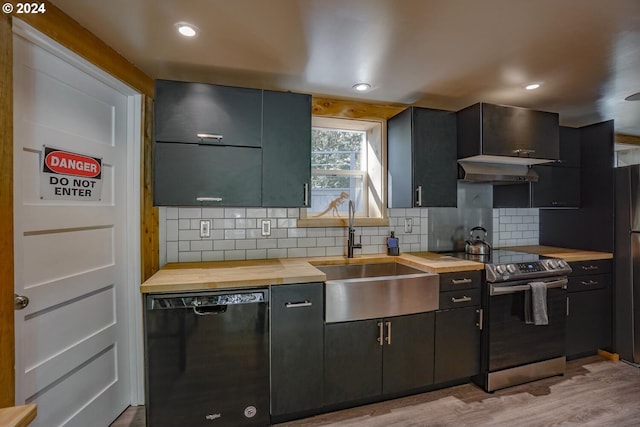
(71, 256)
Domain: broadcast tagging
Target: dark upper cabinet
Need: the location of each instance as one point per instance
(569, 147)
(421, 159)
(228, 146)
(500, 130)
(184, 110)
(286, 149)
(205, 175)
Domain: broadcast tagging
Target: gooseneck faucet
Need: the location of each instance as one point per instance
(351, 244)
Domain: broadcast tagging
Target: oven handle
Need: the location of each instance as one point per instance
(502, 290)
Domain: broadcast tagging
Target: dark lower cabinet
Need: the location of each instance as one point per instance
(457, 344)
(297, 340)
(589, 314)
(369, 358)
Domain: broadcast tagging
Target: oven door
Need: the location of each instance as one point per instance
(511, 341)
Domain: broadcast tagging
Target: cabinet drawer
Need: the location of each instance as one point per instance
(460, 298)
(588, 283)
(581, 268)
(460, 280)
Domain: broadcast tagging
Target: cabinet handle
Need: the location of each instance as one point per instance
(380, 333)
(305, 303)
(305, 200)
(419, 195)
(524, 151)
(480, 313)
(589, 267)
(388, 338)
(204, 136)
(567, 306)
(590, 282)
(209, 199)
(463, 299)
(461, 281)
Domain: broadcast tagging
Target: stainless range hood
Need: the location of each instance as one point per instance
(475, 171)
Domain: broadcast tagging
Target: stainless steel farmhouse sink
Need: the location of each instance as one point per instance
(369, 291)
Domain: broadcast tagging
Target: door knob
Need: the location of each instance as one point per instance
(20, 302)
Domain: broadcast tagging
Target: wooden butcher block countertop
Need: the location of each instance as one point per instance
(178, 277)
(18, 416)
(569, 255)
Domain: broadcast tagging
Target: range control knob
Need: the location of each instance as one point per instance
(511, 268)
(553, 264)
(500, 269)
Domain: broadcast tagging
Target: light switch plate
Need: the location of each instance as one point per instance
(205, 228)
(408, 225)
(266, 227)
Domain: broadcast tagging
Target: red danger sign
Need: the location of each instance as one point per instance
(70, 176)
(66, 163)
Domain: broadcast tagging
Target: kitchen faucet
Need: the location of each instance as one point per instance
(351, 244)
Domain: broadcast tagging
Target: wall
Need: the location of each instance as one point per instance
(236, 233)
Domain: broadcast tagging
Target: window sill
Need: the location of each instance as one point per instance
(342, 222)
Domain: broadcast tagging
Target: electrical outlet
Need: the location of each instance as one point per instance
(266, 227)
(205, 228)
(408, 225)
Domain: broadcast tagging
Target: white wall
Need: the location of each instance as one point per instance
(236, 233)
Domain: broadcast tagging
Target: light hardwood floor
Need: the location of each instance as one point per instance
(593, 392)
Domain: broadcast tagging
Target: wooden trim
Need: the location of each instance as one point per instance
(68, 32)
(354, 109)
(7, 349)
(626, 139)
(149, 246)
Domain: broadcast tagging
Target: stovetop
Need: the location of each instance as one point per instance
(497, 256)
(503, 265)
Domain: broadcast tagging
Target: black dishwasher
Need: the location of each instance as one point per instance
(207, 358)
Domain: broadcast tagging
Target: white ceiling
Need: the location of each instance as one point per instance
(434, 53)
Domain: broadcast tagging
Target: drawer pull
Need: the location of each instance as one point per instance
(463, 299)
(204, 136)
(590, 283)
(589, 267)
(209, 199)
(461, 281)
(298, 304)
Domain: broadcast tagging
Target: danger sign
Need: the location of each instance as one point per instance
(70, 176)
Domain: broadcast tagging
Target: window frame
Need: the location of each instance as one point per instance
(374, 189)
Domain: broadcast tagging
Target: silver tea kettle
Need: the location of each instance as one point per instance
(478, 245)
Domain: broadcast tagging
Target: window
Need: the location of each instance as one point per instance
(346, 164)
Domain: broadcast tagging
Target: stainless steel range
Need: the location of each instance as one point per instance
(515, 348)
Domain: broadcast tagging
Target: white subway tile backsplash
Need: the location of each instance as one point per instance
(236, 233)
(235, 213)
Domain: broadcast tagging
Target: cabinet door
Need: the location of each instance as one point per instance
(569, 147)
(426, 140)
(353, 361)
(557, 187)
(185, 172)
(435, 169)
(408, 352)
(588, 322)
(286, 149)
(514, 131)
(457, 344)
(184, 110)
(297, 343)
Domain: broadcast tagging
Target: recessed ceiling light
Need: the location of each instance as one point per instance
(634, 97)
(187, 30)
(361, 87)
(532, 86)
